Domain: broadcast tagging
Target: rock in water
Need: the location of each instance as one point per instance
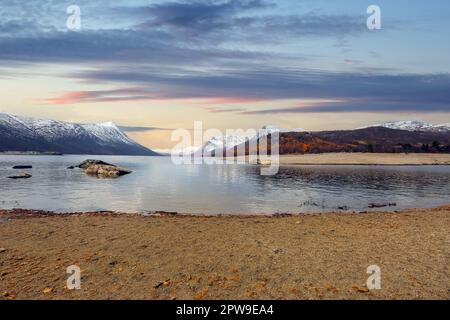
(106, 171)
(23, 167)
(21, 176)
(101, 169)
(378, 205)
(87, 163)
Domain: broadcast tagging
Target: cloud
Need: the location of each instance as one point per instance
(180, 33)
(142, 129)
(228, 52)
(196, 17)
(361, 106)
(345, 92)
(413, 91)
(224, 110)
(115, 95)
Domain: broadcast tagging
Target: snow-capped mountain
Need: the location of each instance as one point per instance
(413, 125)
(218, 144)
(42, 135)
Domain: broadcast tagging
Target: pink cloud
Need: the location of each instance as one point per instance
(115, 95)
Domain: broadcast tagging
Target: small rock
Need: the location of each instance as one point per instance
(21, 176)
(281, 215)
(48, 290)
(166, 213)
(392, 204)
(159, 285)
(361, 289)
(2, 250)
(113, 263)
(23, 167)
(378, 205)
(165, 283)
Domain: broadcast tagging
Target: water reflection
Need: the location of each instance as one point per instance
(157, 184)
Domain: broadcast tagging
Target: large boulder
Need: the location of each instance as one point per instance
(101, 169)
(87, 163)
(106, 171)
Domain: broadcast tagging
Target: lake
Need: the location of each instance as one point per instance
(158, 185)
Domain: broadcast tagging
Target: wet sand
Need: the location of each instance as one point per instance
(322, 256)
(366, 159)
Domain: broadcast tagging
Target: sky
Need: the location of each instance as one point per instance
(155, 66)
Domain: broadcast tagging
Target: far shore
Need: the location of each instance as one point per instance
(351, 158)
(339, 158)
(393, 159)
(317, 256)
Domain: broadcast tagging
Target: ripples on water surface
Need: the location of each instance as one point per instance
(157, 184)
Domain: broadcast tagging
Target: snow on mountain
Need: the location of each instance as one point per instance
(108, 132)
(28, 134)
(227, 142)
(442, 127)
(413, 125)
(220, 143)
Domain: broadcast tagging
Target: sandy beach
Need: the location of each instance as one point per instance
(367, 159)
(321, 256)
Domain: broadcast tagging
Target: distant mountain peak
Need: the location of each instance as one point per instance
(412, 125)
(227, 142)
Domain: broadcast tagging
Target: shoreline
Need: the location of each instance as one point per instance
(36, 213)
(310, 256)
(331, 159)
(369, 159)
(346, 159)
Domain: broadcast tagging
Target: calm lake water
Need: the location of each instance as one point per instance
(157, 184)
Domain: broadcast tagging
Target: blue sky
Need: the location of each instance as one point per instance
(305, 63)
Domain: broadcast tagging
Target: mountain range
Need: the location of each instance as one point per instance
(413, 125)
(402, 136)
(23, 134)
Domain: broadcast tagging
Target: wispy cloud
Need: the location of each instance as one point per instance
(142, 129)
(224, 110)
(360, 106)
(123, 94)
(363, 90)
